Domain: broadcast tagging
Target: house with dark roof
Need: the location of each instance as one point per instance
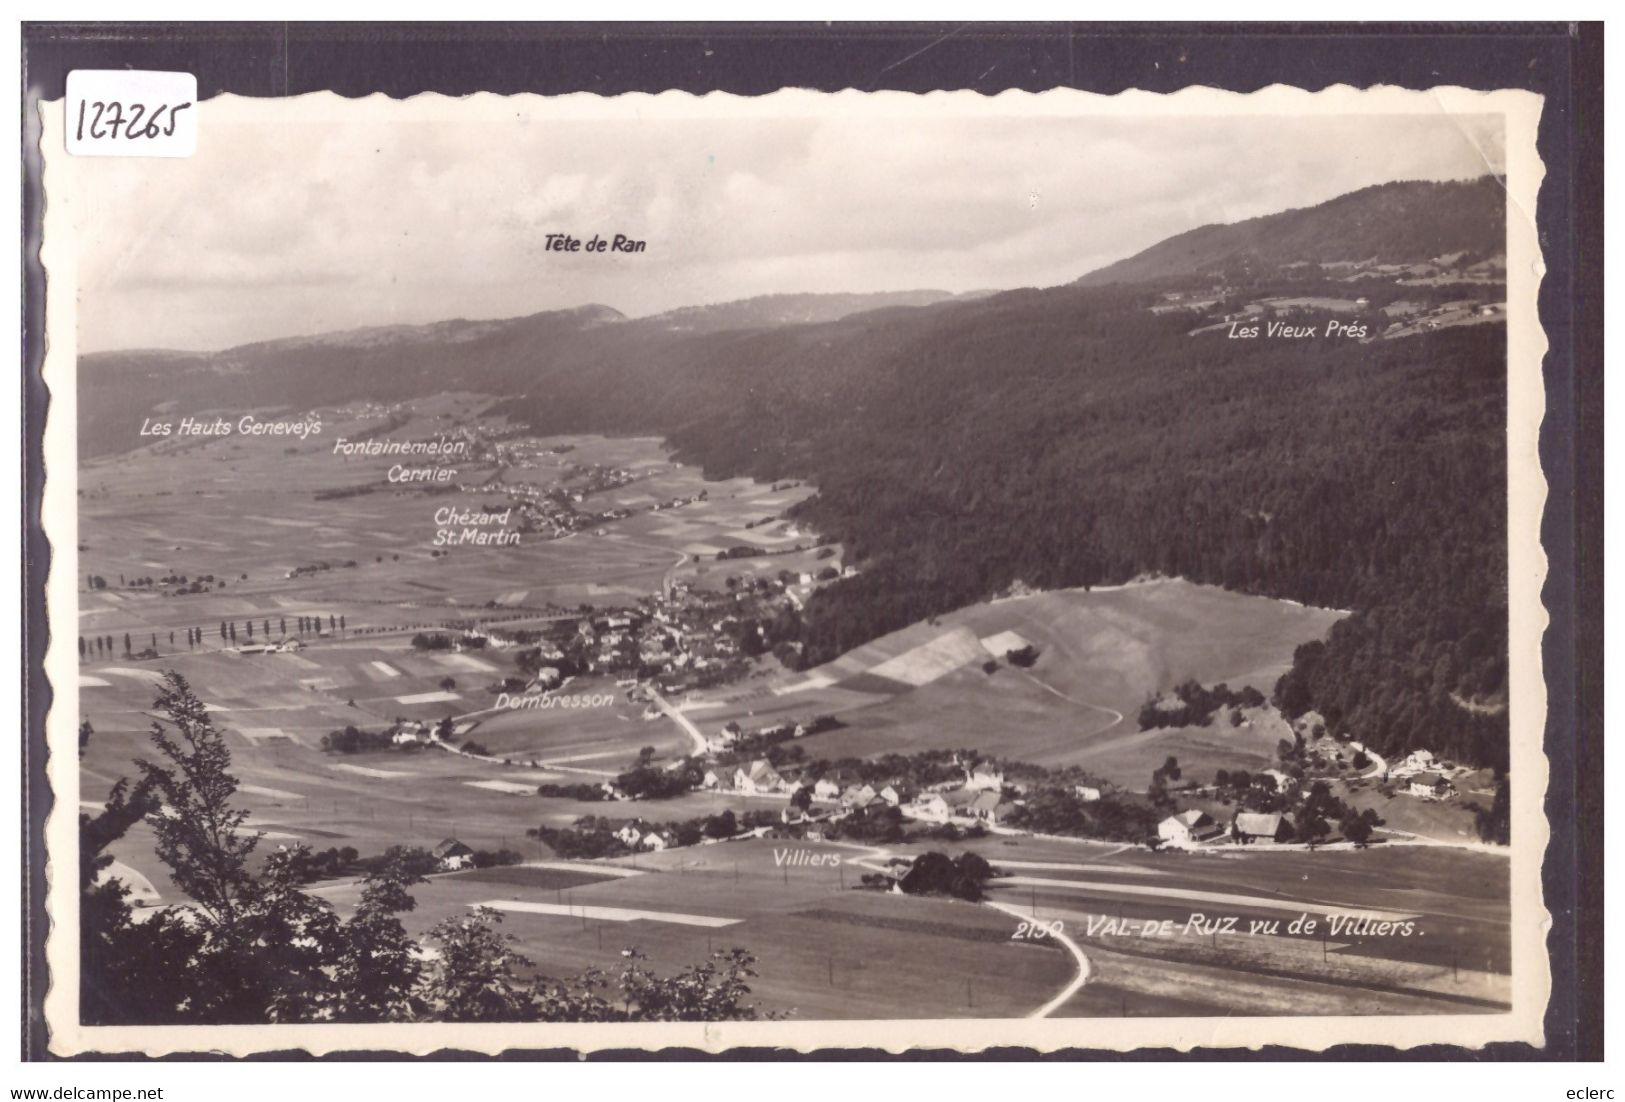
(991, 807)
(452, 855)
(1188, 827)
(1250, 826)
(759, 778)
(1430, 786)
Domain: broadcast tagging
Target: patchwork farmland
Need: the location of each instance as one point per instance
(291, 546)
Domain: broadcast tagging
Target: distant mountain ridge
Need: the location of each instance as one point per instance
(762, 311)
(794, 309)
(1395, 223)
(502, 356)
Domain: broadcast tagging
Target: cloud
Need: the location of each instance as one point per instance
(287, 223)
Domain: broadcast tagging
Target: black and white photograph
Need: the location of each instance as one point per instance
(803, 570)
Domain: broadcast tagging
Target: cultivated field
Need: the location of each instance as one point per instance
(1101, 653)
(823, 949)
(246, 512)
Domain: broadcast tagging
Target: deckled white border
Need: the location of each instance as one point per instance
(1526, 343)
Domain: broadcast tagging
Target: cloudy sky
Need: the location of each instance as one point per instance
(300, 227)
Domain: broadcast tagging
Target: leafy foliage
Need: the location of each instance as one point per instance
(1197, 705)
(934, 873)
(251, 946)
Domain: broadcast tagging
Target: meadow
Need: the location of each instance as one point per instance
(247, 512)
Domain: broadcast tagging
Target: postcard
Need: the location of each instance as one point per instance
(860, 570)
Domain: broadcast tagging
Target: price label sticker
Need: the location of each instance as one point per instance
(131, 113)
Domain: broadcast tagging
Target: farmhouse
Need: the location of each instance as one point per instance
(858, 795)
(1248, 827)
(826, 789)
(1430, 786)
(630, 835)
(959, 803)
(1086, 793)
(453, 855)
(760, 778)
(990, 807)
(1281, 780)
(932, 807)
(407, 738)
(1187, 827)
(893, 795)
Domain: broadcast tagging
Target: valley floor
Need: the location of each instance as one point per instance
(824, 948)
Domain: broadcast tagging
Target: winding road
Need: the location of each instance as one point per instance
(1117, 717)
(1085, 969)
(874, 859)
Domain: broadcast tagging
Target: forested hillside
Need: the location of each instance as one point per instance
(1066, 439)
(1398, 223)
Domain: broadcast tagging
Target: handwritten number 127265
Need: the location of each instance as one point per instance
(105, 120)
